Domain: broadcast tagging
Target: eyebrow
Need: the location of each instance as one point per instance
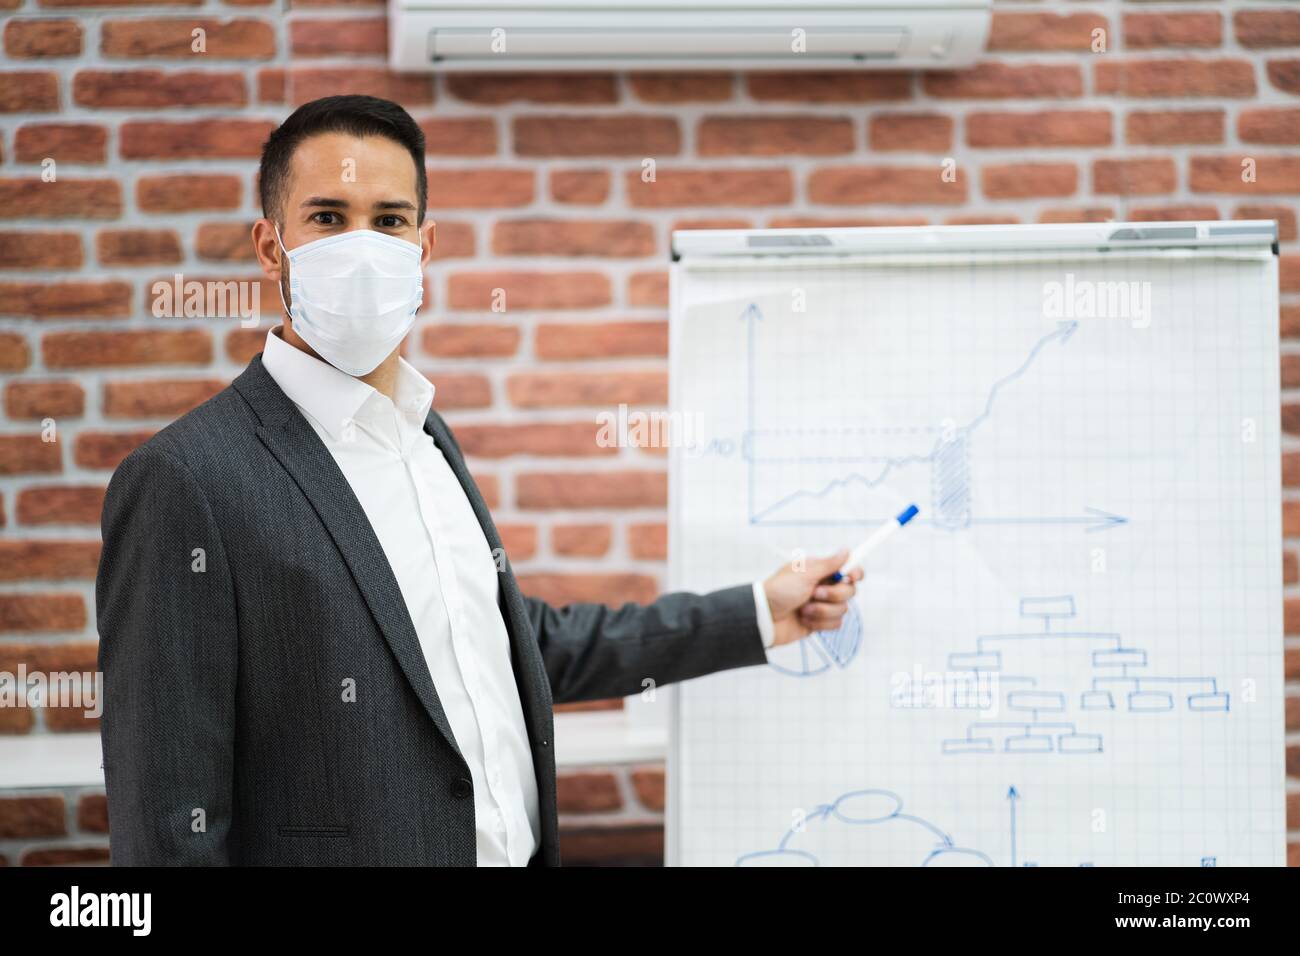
(331, 203)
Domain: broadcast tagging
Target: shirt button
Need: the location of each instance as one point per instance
(461, 788)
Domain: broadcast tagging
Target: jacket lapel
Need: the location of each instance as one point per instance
(290, 438)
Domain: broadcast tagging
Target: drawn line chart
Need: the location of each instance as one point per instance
(947, 456)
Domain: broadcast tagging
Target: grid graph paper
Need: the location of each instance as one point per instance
(1073, 656)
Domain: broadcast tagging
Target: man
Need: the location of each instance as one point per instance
(314, 648)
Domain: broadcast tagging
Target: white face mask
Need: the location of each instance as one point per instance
(354, 296)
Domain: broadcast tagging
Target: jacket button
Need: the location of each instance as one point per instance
(545, 743)
(461, 788)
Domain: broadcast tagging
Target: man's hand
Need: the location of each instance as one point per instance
(803, 602)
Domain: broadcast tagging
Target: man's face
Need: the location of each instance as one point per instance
(338, 183)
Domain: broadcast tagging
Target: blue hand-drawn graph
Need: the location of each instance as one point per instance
(1028, 716)
(843, 832)
(876, 454)
(825, 650)
(866, 812)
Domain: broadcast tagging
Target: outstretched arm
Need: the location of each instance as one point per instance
(592, 651)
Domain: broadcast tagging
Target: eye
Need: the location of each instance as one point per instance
(316, 218)
(390, 221)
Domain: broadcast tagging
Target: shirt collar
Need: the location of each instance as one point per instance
(332, 397)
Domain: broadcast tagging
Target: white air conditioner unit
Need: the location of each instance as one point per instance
(685, 34)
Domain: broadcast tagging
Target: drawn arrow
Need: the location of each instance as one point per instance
(1013, 795)
(1095, 519)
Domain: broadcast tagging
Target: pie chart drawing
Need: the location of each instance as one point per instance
(823, 650)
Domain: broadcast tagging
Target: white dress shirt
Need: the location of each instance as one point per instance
(446, 573)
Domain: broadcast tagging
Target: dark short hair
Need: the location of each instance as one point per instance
(353, 114)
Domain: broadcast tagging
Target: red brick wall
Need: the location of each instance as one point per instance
(536, 186)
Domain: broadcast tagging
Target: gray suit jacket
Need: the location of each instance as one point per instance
(241, 587)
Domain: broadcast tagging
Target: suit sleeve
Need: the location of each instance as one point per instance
(168, 654)
(592, 651)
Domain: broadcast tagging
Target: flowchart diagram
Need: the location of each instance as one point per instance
(1027, 715)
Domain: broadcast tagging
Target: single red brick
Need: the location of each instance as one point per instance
(33, 198)
(1145, 31)
(351, 36)
(1005, 81)
(519, 540)
(408, 89)
(579, 340)
(41, 560)
(461, 390)
(451, 340)
(1133, 177)
(34, 39)
(460, 136)
(60, 505)
(603, 489)
(28, 613)
(29, 92)
(1174, 127)
(830, 86)
(560, 389)
(136, 89)
(774, 135)
(96, 449)
(66, 142)
(1228, 174)
(709, 187)
(107, 349)
(682, 87)
(565, 135)
(648, 288)
(648, 542)
(70, 300)
(910, 132)
(36, 816)
(38, 400)
(187, 192)
(137, 247)
(1042, 128)
(1279, 126)
(1044, 31)
(1176, 77)
(1260, 29)
(587, 792)
(198, 139)
(40, 250)
(15, 354)
(497, 89)
(855, 185)
(480, 188)
(502, 290)
(158, 398)
(173, 37)
(573, 237)
(588, 187)
(581, 540)
(1027, 180)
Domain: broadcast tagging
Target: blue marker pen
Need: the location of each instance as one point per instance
(859, 554)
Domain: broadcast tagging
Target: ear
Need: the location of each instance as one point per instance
(267, 248)
(428, 237)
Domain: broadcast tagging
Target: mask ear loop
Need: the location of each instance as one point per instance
(279, 286)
